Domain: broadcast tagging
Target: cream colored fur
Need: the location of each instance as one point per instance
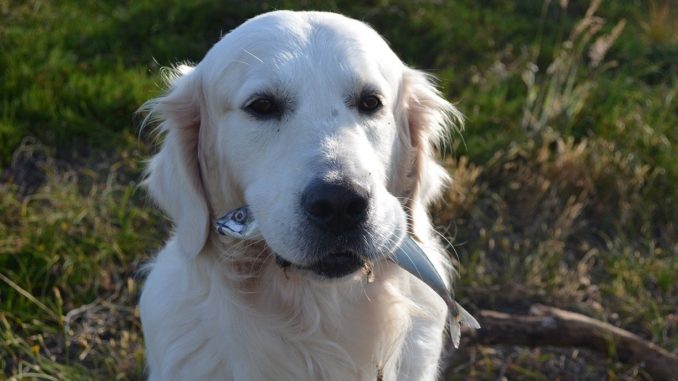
(214, 308)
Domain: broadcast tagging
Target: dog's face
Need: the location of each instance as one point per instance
(312, 121)
(309, 129)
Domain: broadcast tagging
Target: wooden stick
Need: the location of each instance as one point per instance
(549, 326)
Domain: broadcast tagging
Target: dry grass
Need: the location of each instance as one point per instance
(565, 87)
(661, 25)
(563, 223)
(80, 236)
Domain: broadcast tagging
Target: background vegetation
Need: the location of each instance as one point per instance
(565, 189)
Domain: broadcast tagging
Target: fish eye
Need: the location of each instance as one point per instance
(239, 216)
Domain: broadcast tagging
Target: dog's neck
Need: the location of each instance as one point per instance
(306, 311)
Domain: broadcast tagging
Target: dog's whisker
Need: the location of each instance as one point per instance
(448, 242)
(253, 56)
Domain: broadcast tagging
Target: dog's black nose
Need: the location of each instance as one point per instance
(335, 207)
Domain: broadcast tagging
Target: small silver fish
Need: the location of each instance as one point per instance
(411, 258)
(239, 223)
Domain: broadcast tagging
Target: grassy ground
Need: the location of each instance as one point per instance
(565, 177)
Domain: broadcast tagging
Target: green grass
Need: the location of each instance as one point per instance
(564, 187)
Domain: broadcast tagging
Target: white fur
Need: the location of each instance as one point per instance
(217, 309)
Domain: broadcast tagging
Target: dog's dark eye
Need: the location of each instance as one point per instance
(263, 107)
(369, 104)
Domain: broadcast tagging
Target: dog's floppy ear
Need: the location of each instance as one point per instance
(173, 175)
(427, 121)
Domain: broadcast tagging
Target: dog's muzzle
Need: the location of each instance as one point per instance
(239, 223)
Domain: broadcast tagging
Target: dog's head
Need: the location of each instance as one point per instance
(311, 120)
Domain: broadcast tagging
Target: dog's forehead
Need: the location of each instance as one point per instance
(296, 46)
(299, 31)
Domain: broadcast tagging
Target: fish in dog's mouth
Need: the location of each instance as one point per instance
(239, 223)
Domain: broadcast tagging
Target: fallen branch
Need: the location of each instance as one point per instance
(549, 326)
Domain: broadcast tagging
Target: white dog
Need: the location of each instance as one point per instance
(313, 122)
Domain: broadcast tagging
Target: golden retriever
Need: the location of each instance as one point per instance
(313, 122)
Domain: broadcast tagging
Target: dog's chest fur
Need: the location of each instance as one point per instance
(280, 328)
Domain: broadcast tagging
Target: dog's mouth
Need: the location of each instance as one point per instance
(332, 266)
(407, 255)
